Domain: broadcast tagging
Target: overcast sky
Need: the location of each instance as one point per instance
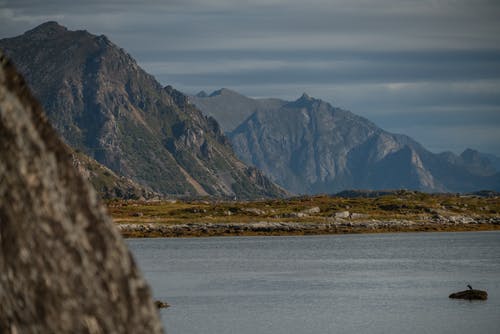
(426, 68)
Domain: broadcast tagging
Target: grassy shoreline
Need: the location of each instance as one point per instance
(402, 211)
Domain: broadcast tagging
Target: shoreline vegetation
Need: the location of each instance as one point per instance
(400, 211)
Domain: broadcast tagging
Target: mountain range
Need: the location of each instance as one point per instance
(134, 138)
(308, 146)
(103, 104)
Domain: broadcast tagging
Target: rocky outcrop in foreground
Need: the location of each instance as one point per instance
(470, 295)
(63, 266)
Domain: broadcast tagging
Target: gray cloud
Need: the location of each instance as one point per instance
(428, 68)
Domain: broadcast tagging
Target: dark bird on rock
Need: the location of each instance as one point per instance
(468, 285)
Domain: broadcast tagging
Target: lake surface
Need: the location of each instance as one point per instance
(371, 283)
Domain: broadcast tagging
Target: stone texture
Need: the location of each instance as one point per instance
(312, 211)
(342, 214)
(63, 266)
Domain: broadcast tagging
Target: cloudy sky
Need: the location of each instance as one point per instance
(426, 68)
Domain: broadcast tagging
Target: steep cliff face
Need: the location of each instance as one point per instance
(313, 148)
(104, 104)
(308, 146)
(65, 269)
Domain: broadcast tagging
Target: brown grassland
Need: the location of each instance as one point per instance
(424, 212)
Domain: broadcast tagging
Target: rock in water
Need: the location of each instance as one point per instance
(160, 304)
(63, 266)
(470, 295)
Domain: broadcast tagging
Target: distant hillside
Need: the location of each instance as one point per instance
(102, 103)
(230, 108)
(495, 160)
(309, 146)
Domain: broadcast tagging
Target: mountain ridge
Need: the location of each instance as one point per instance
(311, 147)
(102, 103)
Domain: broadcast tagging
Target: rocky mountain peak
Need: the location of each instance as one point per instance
(470, 154)
(202, 94)
(306, 97)
(102, 103)
(223, 92)
(477, 163)
(305, 100)
(47, 29)
(52, 30)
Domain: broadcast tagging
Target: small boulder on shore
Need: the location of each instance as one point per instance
(342, 214)
(470, 295)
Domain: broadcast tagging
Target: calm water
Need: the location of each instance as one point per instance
(379, 283)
